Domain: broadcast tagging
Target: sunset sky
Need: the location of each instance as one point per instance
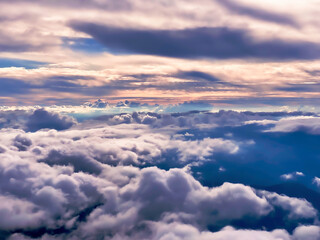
(159, 120)
(223, 52)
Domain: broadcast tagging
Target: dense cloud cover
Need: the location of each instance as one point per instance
(145, 176)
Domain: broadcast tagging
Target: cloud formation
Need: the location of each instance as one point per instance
(219, 43)
(106, 179)
(257, 13)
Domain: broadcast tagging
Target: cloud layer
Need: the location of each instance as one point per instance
(109, 178)
(226, 53)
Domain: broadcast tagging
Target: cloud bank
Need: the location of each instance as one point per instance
(107, 178)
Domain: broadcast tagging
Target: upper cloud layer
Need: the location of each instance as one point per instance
(221, 43)
(257, 13)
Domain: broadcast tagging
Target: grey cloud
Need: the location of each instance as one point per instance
(22, 143)
(79, 162)
(259, 14)
(313, 87)
(220, 43)
(43, 119)
(34, 120)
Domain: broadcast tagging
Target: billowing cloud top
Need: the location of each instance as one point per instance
(140, 175)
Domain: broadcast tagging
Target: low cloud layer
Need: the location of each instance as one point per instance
(112, 179)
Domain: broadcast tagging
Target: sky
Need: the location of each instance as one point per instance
(159, 120)
(226, 53)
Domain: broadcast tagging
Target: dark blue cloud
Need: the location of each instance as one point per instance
(314, 87)
(11, 86)
(258, 13)
(220, 43)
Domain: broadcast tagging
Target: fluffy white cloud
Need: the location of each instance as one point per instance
(291, 176)
(298, 208)
(186, 232)
(306, 233)
(316, 181)
(311, 124)
(90, 181)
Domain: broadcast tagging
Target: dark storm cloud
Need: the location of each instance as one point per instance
(259, 14)
(220, 43)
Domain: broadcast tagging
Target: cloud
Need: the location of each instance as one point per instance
(309, 87)
(220, 43)
(316, 181)
(298, 208)
(34, 119)
(106, 4)
(14, 87)
(42, 119)
(308, 124)
(197, 75)
(259, 14)
(187, 232)
(292, 176)
(306, 233)
(98, 180)
(22, 143)
(97, 104)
